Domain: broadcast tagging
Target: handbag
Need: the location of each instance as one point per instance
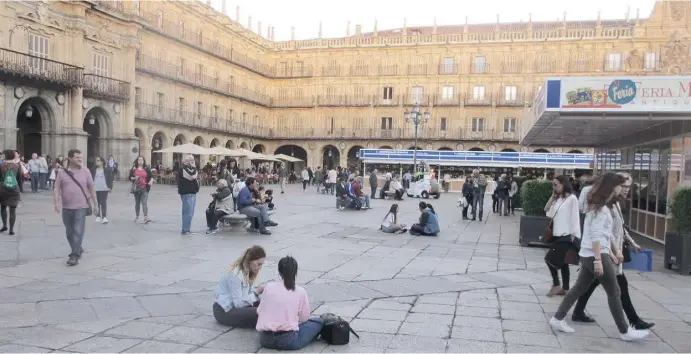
(626, 247)
(89, 210)
(336, 331)
(549, 232)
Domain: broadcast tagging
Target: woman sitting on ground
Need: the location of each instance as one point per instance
(236, 297)
(390, 223)
(429, 222)
(284, 313)
(223, 205)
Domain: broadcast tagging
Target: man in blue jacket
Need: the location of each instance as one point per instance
(253, 207)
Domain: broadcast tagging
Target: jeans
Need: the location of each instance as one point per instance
(188, 202)
(503, 205)
(512, 204)
(419, 230)
(586, 276)
(35, 176)
(341, 202)
(629, 310)
(74, 220)
(102, 199)
(254, 212)
(141, 200)
(478, 201)
(43, 180)
(292, 340)
(212, 219)
(304, 184)
(565, 275)
(364, 199)
(240, 317)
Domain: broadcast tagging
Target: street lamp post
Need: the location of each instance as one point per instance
(417, 118)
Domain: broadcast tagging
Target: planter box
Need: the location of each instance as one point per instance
(678, 252)
(532, 229)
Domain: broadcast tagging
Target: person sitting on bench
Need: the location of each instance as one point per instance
(253, 207)
(236, 296)
(429, 222)
(223, 205)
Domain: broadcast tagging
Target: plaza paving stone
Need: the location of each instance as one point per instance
(145, 288)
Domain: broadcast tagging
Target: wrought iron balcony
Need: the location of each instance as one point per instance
(479, 67)
(510, 100)
(448, 69)
(478, 100)
(447, 100)
(543, 65)
(422, 100)
(359, 70)
(32, 68)
(395, 100)
(106, 87)
(418, 69)
(511, 67)
(388, 70)
(331, 70)
(293, 102)
(294, 72)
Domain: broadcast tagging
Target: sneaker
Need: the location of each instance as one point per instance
(640, 324)
(209, 231)
(271, 223)
(136, 219)
(147, 220)
(560, 326)
(104, 221)
(555, 290)
(72, 261)
(634, 334)
(98, 220)
(265, 232)
(582, 317)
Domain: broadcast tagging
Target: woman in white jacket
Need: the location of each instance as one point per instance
(600, 255)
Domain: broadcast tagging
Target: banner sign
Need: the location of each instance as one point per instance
(637, 94)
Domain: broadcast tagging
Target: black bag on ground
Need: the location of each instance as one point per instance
(336, 330)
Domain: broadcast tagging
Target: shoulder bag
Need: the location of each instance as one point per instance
(625, 249)
(549, 232)
(89, 211)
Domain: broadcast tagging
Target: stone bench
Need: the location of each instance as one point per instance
(389, 194)
(236, 221)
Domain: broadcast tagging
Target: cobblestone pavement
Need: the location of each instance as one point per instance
(144, 288)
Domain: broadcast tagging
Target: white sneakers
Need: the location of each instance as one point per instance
(631, 335)
(634, 334)
(104, 221)
(560, 326)
(100, 220)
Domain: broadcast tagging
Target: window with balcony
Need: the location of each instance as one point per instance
(231, 114)
(448, 65)
(137, 94)
(296, 123)
(359, 123)
(217, 111)
(299, 68)
(478, 93)
(161, 99)
(159, 19)
(509, 125)
(182, 104)
(650, 62)
(100, 64)
(359, 91)
(442, 124)
(480, 64)
(231, 82)
(244, 117)
(38, 47)
(478, 125)
(283, 124)
(447, 93)
(614, 62)
(417, 94)
(200, 73)
(181, 67)
(282, 69)
(299, 93)
(200, 109)
(181, 24)
(387, 123)
(329, 125)
(200, 37)
(388, 93)
(511, 64)
(510, 93)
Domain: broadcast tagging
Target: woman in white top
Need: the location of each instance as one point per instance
(599, 256)
(563, 209)
(305, 178)
(390, 223)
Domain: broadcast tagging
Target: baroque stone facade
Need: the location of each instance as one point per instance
(168, 72)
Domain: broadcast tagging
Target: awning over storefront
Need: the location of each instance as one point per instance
(597, 111)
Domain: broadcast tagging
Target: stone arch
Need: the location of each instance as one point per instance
(413, 148)
(354, 154)
(177, 157)
(445, 148)
(575, 151)
(106, 115)
(199, 140)
(331, 156)
(386, 147)
(508, 150)
(259, 148)
(36, 119)
(294, 151)
(244, 145)
(541, 151)
(158, 142)
(51, 118)
(230, 144)
(476, 149)
(97, 124)
(214, 142)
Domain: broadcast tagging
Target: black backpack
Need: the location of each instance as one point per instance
(336, 331)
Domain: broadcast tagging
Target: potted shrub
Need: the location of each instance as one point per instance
(678, 241)
(534, 196)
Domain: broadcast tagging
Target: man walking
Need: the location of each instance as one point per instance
(35, 171)
(282, 177)
(479, 188)
(373, 183)
(73, 195)
(188, 187)
(42, 173)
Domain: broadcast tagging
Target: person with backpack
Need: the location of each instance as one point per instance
(390, 223)
(429, 222)
(11, 173)
(284, 312)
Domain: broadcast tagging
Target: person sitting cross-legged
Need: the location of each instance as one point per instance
(236, 296)
(429, 222)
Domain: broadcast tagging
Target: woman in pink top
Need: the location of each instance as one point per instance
(284, 312)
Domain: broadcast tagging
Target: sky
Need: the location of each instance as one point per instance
(305, 15)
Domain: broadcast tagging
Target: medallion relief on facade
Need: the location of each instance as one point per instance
(677, 10)
(675, 54)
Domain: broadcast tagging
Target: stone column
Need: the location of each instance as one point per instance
(8, 119)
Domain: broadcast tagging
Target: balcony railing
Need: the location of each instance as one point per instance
(331, 70)
(31, 67)
(214, 84)
(545, 66)
(302, 102)
(107, 87)
(388, 70)
(515, 100)
(421, 99)
(359, 70)
(447, 100)
(417, 69)
(295, 72)
(448, 69)
(196, 120)
(479, 68)
(511, 67)
(478, 100)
